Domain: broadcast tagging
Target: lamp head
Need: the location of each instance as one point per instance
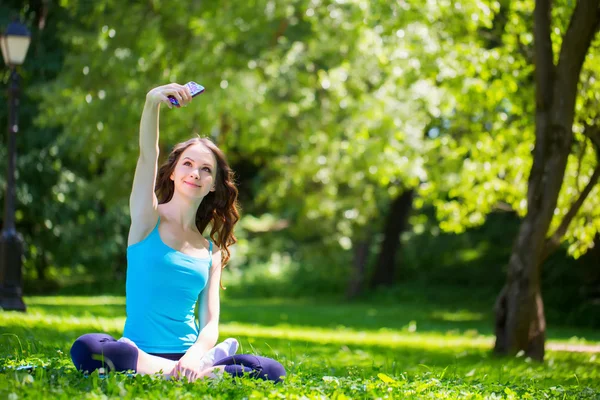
(14, 43)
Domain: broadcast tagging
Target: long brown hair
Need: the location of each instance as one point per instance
(219, 208)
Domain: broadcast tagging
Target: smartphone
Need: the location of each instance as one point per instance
(195, 88)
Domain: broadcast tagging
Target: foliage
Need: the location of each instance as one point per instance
(271, 264)
(327, 110)
(342, 109)
(489, 145)
(58, 211)
(330, 350)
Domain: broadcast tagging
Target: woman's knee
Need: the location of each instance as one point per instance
(272, 370)
(84, 347)
(262, 367)
(97, 350)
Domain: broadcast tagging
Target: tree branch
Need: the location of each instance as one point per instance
(544, 75)
(526, 51)
(577, 40)
(579, 163)
(553, 242)
(593, 133)
(543, 55)
(283, 25)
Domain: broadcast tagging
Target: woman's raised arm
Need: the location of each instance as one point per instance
(143, 204)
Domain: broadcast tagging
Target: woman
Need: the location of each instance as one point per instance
(173, 272)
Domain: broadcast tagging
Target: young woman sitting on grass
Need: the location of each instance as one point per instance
(173, 272)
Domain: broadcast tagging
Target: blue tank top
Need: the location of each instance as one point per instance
(163, 290)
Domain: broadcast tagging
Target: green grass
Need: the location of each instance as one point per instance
(411, 349)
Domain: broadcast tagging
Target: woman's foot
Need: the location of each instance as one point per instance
(226, 348)
(148, 364)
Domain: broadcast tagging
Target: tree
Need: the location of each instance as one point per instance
(47, 186)
(520, 321)
(397, 220)
(486, 144)
(310, 93)
(332, 102)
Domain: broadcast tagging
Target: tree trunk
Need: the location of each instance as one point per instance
(591, 273)
(520, 322)
(361, 254)
(42, 266)
(385, 269)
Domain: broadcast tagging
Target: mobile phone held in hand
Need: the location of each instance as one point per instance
(195, 88)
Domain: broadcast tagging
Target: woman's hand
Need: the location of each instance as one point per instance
(161, 94)
(188, 366)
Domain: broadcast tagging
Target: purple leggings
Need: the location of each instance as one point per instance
(99, 350)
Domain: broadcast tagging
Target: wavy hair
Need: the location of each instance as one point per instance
(219, 208)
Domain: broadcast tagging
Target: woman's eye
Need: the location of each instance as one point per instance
(206, 169)
(187, 163)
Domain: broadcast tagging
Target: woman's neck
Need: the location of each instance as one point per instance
(182, 211)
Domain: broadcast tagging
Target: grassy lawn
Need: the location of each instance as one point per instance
(331, 349)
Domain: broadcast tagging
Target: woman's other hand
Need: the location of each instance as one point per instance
(188, 366)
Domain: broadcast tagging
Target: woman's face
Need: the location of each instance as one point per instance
(195, 171)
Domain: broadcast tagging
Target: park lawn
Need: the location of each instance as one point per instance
(331, 349)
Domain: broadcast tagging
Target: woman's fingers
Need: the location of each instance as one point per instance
(164, 99)
(181, 93)
(181, 372)
(179, 97)
(188, 93)
(195, 374)
(185, 94)
(190, 374)
(170, 90)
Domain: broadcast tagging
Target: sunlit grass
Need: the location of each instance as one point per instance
(329, 349)
(75, 300)
(460, 315)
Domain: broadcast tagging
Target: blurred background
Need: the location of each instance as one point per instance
(382, 148)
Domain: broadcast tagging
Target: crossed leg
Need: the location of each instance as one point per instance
(98, 350)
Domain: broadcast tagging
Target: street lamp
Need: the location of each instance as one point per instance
(14, 44)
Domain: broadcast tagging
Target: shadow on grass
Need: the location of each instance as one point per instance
(357, 316)
(301, 312)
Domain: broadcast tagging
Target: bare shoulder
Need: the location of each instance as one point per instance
(216, 253)
(216, 250)
(215, 247)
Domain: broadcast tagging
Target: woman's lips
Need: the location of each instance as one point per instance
(191, 184)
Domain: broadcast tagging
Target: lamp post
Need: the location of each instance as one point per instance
(14, 44)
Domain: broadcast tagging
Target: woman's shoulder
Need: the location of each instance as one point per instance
(214, 245)
(215, 252)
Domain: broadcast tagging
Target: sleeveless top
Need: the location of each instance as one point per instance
(163, 295)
